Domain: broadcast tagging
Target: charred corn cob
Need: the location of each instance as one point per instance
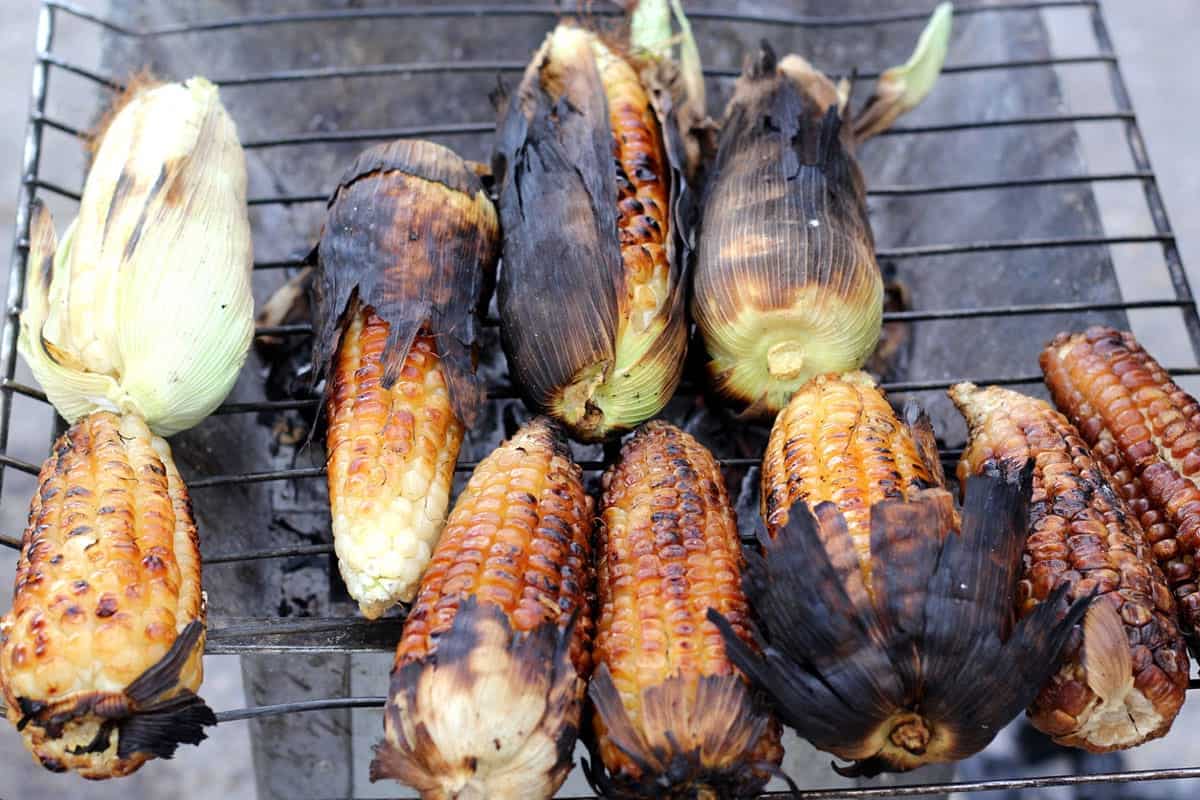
(488, 682)
(403, 264)
(887, 610)
(137, 325)
(1125, 671)
(100, 654)
(591, 295)
(1146, 430)
(786, 285)
(673, 718)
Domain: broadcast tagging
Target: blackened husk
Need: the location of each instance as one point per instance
(935, 654)
(784, 230)
(563, 278)
(412, 234)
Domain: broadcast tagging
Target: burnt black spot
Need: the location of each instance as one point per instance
(107, 606)
(496, 742)
(56, 559)
(124, 181)
(78, 491)
(53, 765)
(106, 510)
(79, 530)
(135, 237)
(29, 710)
(98, 744)
(153, 563)
(631, 205)
(80, 586)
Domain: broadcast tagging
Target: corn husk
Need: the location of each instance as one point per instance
(901, 88)
(144, 307)
(786, 286)
(579, 347)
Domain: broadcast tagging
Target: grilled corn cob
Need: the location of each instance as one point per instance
(488, 682)
(1124, 674)
(137, 325)
(1146, 430)
(786, 285)
(887, 609)
(591, 294)
(100, 654)
(673, 717)
(404, 263)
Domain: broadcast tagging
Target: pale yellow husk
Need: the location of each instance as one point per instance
(146, 307)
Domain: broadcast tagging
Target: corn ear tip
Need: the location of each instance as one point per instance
(138, 83)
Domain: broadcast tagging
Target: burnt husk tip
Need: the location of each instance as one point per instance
(411, 234)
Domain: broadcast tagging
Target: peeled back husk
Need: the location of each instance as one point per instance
(591, 289)
(145, 306)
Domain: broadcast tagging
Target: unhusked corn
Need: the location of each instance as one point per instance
(591, 298)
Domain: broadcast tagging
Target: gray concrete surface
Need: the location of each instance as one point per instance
(1153, 39)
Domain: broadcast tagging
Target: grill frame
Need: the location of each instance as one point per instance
(344, 635)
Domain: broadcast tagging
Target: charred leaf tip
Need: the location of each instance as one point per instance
(767, 60)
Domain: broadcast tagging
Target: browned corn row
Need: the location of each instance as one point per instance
(391, 455)
(489, 676)
(642, 203)
(108, 587)
(1125, 672)
(673, 716)
(839, 440)
(1147, 431)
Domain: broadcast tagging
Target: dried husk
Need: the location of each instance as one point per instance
(145, 306)
(930, 669)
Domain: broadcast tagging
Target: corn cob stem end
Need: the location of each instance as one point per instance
(681, 749)
(104, 735)
(493, 713)
(762, 361)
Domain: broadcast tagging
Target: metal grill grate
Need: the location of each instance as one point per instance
(351, 634)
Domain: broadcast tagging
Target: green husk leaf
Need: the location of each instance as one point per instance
(902, 88)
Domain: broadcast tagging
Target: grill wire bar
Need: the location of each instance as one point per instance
(246, 636)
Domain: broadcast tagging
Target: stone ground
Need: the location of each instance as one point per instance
(1150, 39)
